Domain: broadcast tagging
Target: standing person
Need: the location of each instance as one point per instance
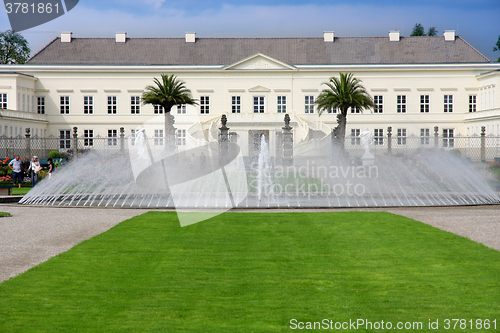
(51, 167)
(192, 161)
(35, 168)
(17, 174)
(203, 162)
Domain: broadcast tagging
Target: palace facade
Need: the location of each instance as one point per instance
(95, 84)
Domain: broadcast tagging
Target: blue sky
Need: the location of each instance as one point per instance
(477, 21)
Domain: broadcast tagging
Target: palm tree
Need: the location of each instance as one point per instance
(167, 93)
(343, 93)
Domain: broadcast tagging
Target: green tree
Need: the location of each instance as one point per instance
(343, 93)
(13, 48)
(418, 30)
(168, 92)
(432, 31)
(497, 47)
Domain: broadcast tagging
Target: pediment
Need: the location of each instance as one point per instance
(259, 62)
(259, 89)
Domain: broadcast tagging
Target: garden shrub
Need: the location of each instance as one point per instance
(54, 154)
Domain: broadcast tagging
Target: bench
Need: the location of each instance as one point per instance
(6, 189)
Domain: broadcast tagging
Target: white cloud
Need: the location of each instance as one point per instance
(155, 3)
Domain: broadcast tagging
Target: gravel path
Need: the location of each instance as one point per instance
(35, 234)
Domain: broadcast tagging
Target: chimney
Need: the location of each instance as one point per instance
(394, 36)
(121, 37)
(449, 35)
(328, 36)
(66, 37)
(190, 37)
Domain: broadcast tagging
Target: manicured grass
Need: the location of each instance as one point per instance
(20, 191)
(252, 272)
(4, 214)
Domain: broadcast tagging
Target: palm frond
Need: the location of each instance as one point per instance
(167, 92)
(343, 92)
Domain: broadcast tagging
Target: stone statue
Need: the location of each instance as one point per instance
(366, 140)
(140, 142)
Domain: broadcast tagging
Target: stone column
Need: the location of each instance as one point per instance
(287, 142)
(483, 144)
(223, 140)
(75, 142)
(122, 139)
(389, 140)
(27, 143)
(436, 137)
(224, 155)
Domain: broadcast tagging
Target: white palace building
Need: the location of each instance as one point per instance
(95, 84)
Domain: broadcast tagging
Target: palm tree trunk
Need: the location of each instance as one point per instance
(343, 123)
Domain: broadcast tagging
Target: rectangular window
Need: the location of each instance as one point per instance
(88, 104)
(448, 140)
(401, 136)
(88, 138)
(448, 103)
(135, 104)
(332, 110)
(181, 109)
(355, 139)
(158, 140)
(309, 104)
(112, 137)
(64, 104)
(424, 104)
(65, 139)
(379, 103)
(112, 104)
(158, 109)
(378, 136)
(281, 104)
(355, 109)
(472, 103)
(401, 103)
(258, 104)
(181, 137)
(40, 105)
(204, 104)
(425, 136)
(236, 104)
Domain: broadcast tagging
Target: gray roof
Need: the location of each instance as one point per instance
(226, 51)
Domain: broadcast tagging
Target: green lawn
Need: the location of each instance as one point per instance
(19, 191)
(253, 272)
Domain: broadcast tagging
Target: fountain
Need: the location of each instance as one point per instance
(215, 177)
